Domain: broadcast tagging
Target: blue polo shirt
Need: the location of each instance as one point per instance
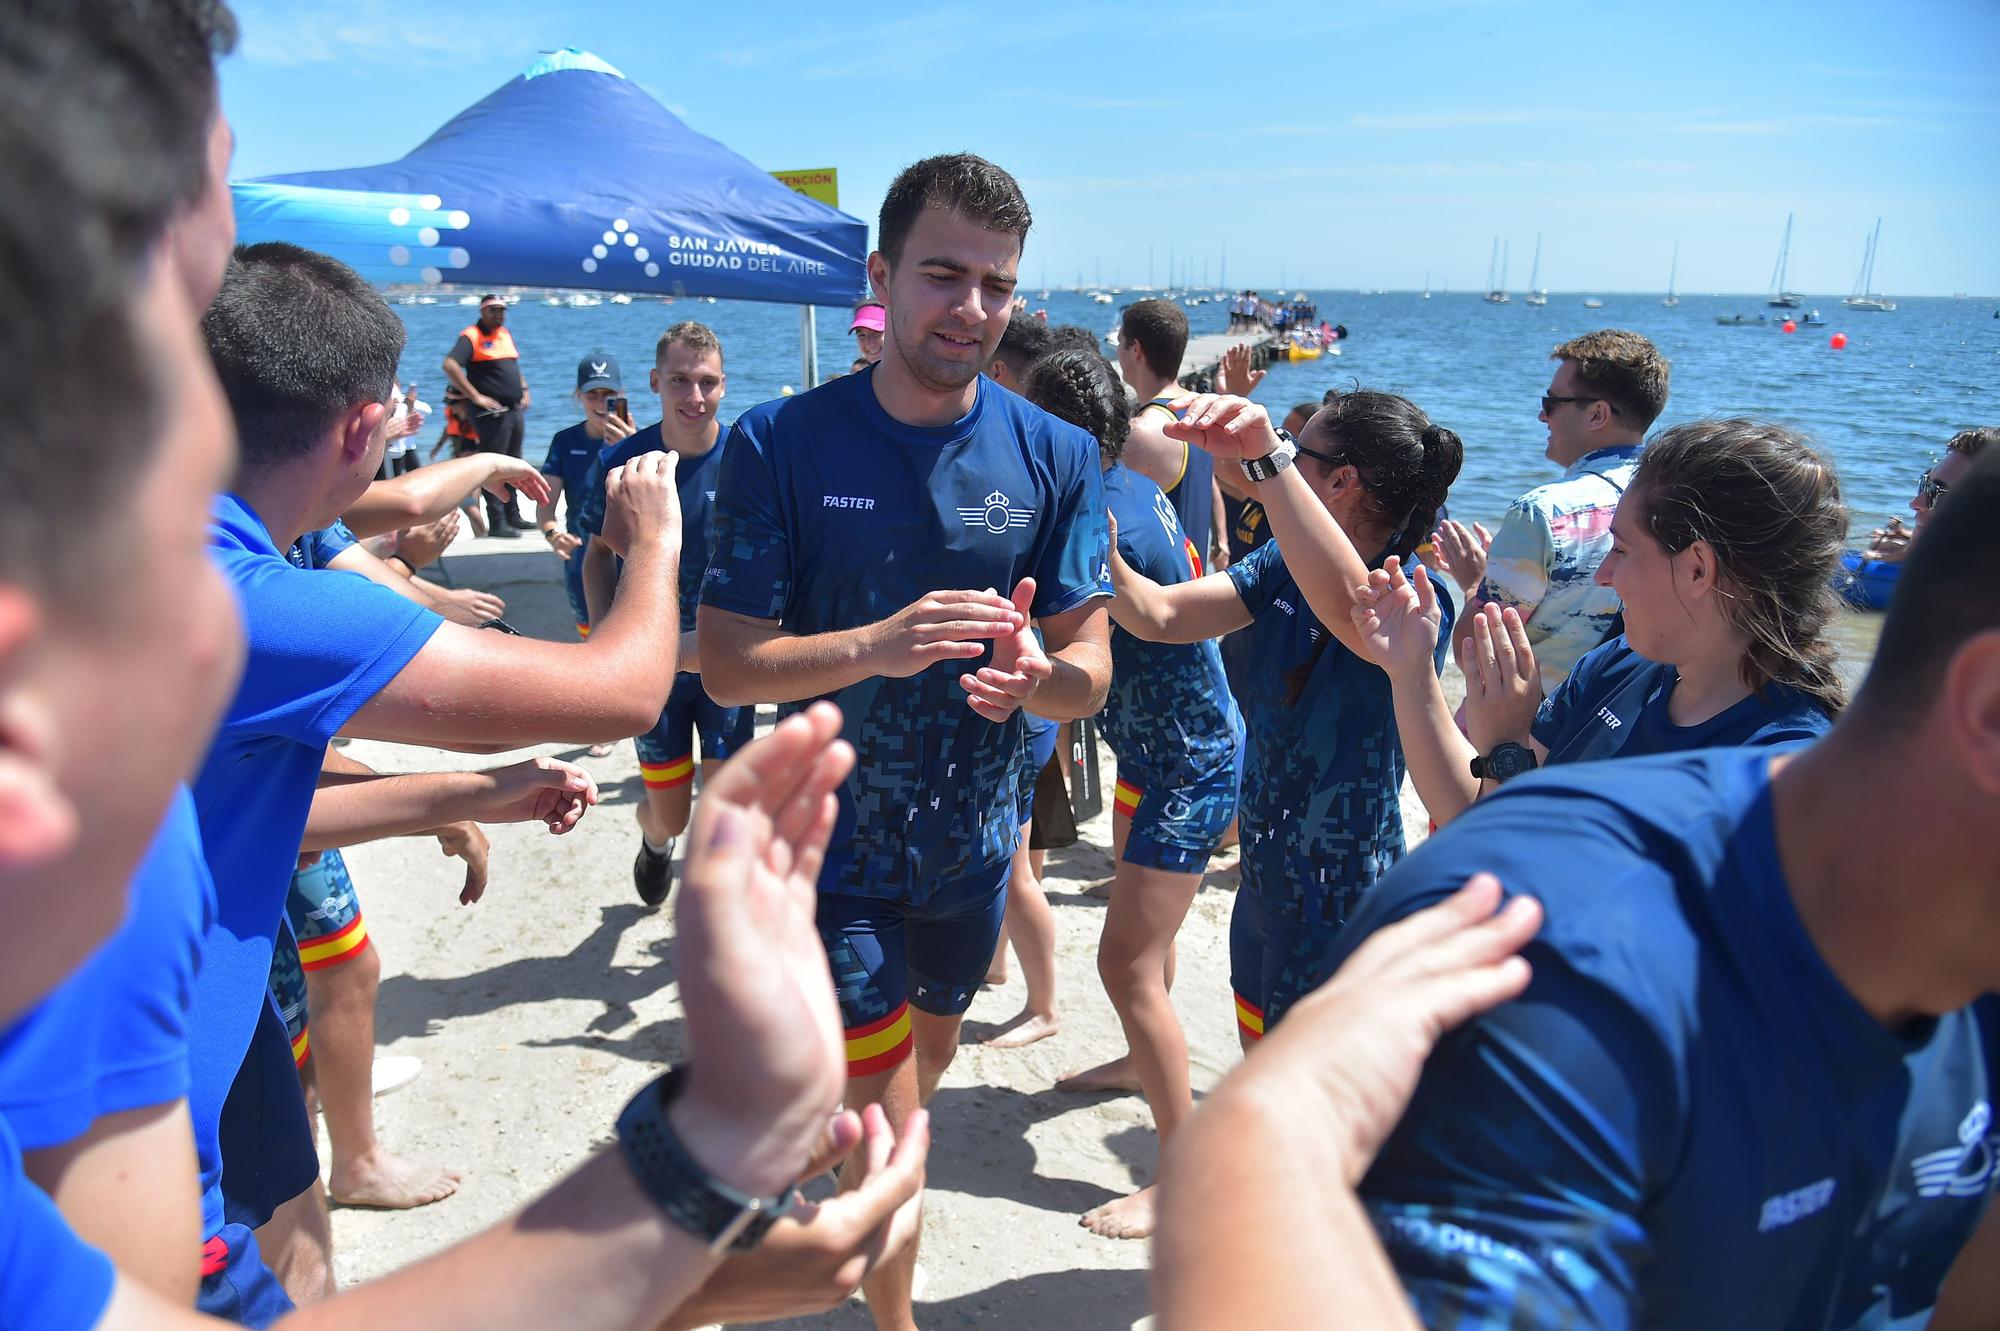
(50, 1280)
(572, 459)
(321, 644)
(1614, 702)
(1168, 716)
(1321, 815)
(695, 480)
(1687, 1121)
(114, 1036)
(831, 514)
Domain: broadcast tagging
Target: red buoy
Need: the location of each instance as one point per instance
(1838, 341)
(1789, 327)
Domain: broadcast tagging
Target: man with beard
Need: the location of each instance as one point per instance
(839, 515)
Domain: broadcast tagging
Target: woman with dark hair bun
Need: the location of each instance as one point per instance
(1723, 552)
(1177, 734)
(1321, 817)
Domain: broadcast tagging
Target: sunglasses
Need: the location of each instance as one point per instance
(1550, 401)
(1330, 459)
(1929, 491)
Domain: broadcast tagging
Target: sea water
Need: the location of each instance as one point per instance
(1882, 407)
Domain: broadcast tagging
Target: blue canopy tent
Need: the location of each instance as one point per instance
(570, 176)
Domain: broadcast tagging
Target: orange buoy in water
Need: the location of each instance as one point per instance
(1838, 341)
(1789, 327)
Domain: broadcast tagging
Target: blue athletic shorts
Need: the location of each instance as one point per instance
(325, 914)
(266, 1140)
(579, 609)
(1273, 961)
(666, 752)
(288, 993)
(1176, 828)
(235, 1284)
(887, 955)
(1041, 739)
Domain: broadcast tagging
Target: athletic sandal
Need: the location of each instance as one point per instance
(395, 1071)
(653, 873)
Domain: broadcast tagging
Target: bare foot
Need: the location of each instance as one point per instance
(1024, 1029)
(1127, 1218)
(601, 750)
(390, 1182)
(1117, 1075)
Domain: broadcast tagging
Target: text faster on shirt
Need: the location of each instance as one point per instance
(831, 515)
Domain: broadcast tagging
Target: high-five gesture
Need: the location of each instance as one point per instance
(943, 626)
(1234, 376)
(1503, 684)
(1019, 664)
(1399, 619)
(1228, 427)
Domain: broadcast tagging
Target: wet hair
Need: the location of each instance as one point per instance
(970, 186)
(1944, 598)
(103, 138)
(1975, 441)
(1081, 388)
(696, 337)
(1160, 331)
(1768, 503)
(1624, 369)
(1406, 463)
(1026, 341)
(298, 339)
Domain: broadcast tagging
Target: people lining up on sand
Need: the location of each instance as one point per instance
(1666, 1033)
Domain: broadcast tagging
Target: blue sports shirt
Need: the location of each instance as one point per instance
(832, 515)
(1193, 493)
(695, 481)
(1321, 814)
(114, 1036)
(572, 459)
(1687, 1120)
(50, 1280)
(321, 644)
(1168, 716)
(1615, 702)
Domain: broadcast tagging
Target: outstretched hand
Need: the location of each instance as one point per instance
(1461, 552)
(511, 476)
(1398, 619)
(1019, 665)
(941, 626)
(538, 790)
(1234, 376)
(1503, 682)
(1356, 1046)
(1228, 427)
(767, 1064)
(465, 841)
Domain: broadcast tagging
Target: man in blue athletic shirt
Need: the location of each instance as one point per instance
(688, 376)
(572, 466)
(1152, 339)
(839, 514)
(1751, 1081)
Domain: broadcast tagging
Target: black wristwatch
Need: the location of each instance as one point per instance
(722, 1217)
(1279, 458)
(1506, 762)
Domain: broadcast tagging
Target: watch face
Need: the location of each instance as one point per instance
(1510, 760)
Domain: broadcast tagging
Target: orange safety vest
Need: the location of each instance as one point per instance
(497, 345)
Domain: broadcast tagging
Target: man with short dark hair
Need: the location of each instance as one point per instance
(838, 513)
(1025, 342)
(485, 365)
(1608, 389)
(1152, 338)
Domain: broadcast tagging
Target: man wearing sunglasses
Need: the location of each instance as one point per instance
(1608, 388)
(1889, 544)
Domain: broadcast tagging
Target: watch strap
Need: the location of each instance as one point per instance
(724, 1218)
(1263, 469)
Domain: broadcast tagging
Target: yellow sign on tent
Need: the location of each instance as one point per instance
(822, 183)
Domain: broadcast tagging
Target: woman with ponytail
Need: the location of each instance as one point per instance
(1175, 729)
(1723, 554)
(1321, 816)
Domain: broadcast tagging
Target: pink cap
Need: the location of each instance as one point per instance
(870, 316)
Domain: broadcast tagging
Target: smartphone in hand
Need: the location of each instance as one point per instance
(618, 407)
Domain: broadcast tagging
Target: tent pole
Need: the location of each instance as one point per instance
(808, 349)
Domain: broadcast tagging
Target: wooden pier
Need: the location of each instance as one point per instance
(1204, 355)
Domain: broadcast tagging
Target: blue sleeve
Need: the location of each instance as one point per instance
(1075, 566)
(590, 518)
(328, 543)
(552, 460)
(1556, 714)
(50, 1280)
(750, 567)
(321, 645)
(1256, 577)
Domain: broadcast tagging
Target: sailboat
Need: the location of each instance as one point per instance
(1864, 297)
(1536, 296)
(1427, 284)
(1781, 298)
(1496, 292)
(1673, 270)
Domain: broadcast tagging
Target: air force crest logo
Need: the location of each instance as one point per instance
(997, 515)
(1964, 1170)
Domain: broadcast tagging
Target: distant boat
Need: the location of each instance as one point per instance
(1536, 296)
(1864, 297)
(468, 300)
(1673, 270)
(1589, 303)
(1496, 292)
(1427, 285)
(621, 298)
(1780, 298)
(1738, 320)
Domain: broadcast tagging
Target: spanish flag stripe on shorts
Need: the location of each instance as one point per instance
(1127, 796)
(1249, 1018)
(880, 1045)
(345, 944)
(1194, 556)
(583, 630)
(302, 1048)
(667, 775)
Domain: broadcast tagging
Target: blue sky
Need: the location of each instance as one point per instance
(1353, 144)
